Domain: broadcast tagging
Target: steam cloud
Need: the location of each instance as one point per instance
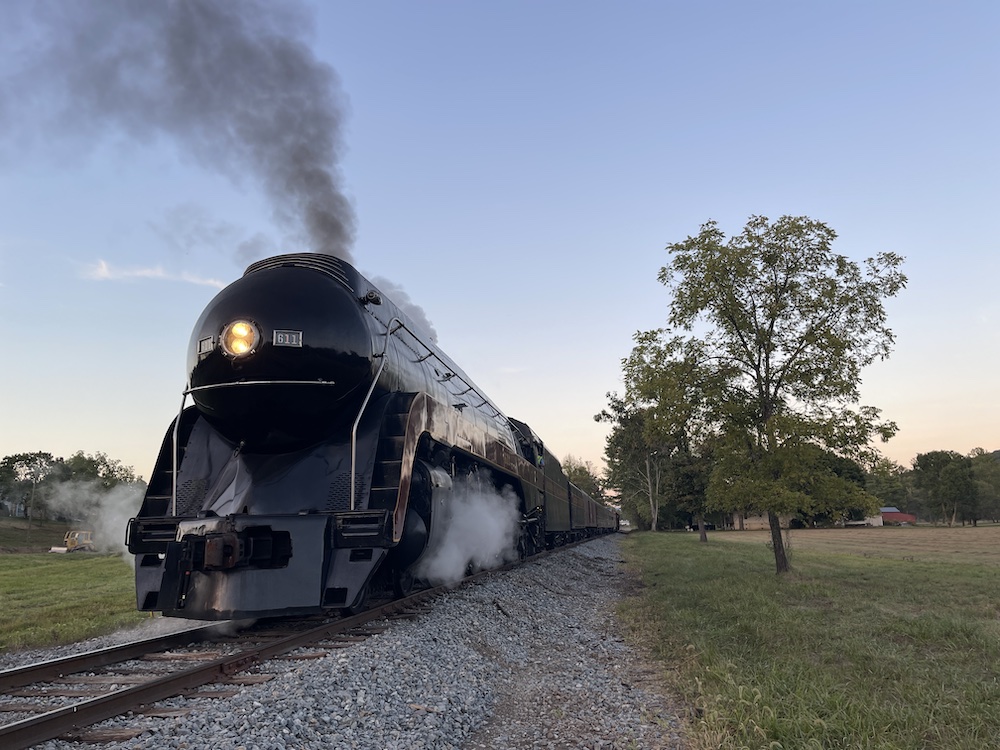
(232, 83)
(105, 512)
(481, 529)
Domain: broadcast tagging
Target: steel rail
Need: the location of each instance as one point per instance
(55, 668)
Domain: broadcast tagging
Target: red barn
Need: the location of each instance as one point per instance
(893, 517)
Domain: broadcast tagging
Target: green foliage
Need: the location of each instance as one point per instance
(886, 482)
(769, 331)
(637, 464)
(948, 485)
(789, 324)
(958, 489)
(22, 481)
(791, 479)
(47, 487)
(849, 653)
(107, 472)
(986, 472)
(583, 475)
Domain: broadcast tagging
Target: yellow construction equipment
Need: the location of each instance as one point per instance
(76, 541)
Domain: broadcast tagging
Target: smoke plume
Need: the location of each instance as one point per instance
(231, 82)
(410, 308)
(480, 529)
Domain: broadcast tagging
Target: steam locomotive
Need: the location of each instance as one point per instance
(319, 456)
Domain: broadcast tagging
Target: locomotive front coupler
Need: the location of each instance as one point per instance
(216, 544)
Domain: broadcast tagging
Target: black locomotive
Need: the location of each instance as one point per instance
(320, 453)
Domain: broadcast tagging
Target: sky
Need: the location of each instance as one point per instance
(518, 168)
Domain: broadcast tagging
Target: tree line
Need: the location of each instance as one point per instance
(40, 486)
(939, 487)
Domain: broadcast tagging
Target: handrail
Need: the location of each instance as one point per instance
(450, 374)
(389, 330)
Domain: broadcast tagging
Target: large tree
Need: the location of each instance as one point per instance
(98, 468)
(636, 467)
(45, 486)
(22, 476)
(948, 483)
(986, 470)
(775, 328)
(885, 480)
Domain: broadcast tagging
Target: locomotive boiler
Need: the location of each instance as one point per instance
(318, 457)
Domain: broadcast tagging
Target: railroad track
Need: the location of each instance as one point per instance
(95, 686)
(102, 684)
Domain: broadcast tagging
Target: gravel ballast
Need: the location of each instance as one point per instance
(530, 658)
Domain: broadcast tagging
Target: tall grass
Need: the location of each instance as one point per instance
(845, 652)
(54, 599)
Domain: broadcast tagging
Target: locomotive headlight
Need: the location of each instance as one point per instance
(240, 338)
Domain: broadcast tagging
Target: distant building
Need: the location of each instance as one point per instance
(759, 522)
(893, 517)
(869, 521)
(886, 517)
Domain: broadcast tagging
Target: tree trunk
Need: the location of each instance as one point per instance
(31, 507)
(654, 506)
(780, 559)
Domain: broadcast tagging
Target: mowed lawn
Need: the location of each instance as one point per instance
(16, 536)
(51, 599)
(879, 638)
(963, 544)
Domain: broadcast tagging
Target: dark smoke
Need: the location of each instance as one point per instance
(231, 82)
(187, 226)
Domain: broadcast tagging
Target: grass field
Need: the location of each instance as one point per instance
(15, 535)
(879, 638)
(54, 599)
(51, 599)
(963, 544)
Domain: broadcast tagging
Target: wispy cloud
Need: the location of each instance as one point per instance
(104, 271)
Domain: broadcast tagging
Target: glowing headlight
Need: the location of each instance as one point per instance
(240, 338)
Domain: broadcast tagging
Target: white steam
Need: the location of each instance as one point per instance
(104, 511)
(480, 528)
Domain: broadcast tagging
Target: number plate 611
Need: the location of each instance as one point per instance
(288, 338)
